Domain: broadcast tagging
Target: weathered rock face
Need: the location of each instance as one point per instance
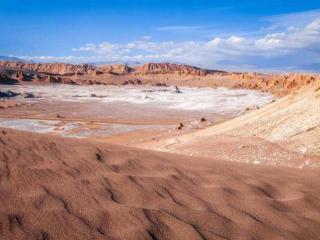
(51, 68)
(119, 69)
(280, 84)
(170, 68)
(5, 79)
(152, 68)
(21, 76)
(132, 82)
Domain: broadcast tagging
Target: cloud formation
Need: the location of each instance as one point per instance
(280, 48)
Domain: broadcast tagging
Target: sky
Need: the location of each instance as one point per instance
(239, 35)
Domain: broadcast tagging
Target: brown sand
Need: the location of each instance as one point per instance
(8, 103)
(56, 188)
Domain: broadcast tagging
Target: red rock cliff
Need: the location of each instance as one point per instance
(51, 68)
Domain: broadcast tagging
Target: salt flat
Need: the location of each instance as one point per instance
(131, 104)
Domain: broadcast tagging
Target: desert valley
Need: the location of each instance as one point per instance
(158, 151)
(160, 120)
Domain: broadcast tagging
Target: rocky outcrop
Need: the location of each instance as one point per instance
(64, 68)
(50, 68)
(132, 82)
(118, 69)
(8, 94)
(26, 76)
(5, 79)
(21, 76)
(153, 68)
(170, 68)
(81, 69)
(280, 84)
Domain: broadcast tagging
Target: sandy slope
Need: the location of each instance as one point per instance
(297, 114)
(291, 123)
(55, 188)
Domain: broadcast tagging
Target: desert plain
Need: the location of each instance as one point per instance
(157, 151)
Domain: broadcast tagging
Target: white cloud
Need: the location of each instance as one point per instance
(51, 58)
(236, 40)
(291, 41)
(215, 42)
(87, 47)
(314, 26)
(146, 37)
(297, 19)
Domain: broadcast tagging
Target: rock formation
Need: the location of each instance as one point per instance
(51, 68)
(151, 73)
(280, 84)
(170, 68)
(5, 79)
(120, 69)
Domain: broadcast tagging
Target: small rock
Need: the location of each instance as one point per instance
(8, 94)
(160, 84)
(203, 119)
(178, 90)
(29, 95)
(180, 126)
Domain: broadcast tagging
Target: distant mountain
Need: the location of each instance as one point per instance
(7, 58)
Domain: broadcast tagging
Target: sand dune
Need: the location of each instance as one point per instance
(56, 188)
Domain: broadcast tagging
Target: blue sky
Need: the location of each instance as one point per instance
(265, 35)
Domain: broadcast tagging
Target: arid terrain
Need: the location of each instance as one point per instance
(56, 188)
(291, 122)
(157, 74)
(157, 151)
